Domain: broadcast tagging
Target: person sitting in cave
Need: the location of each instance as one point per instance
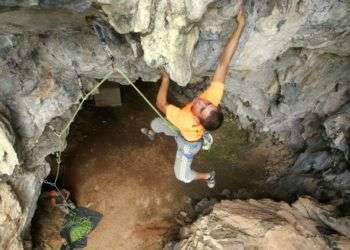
(194, 120)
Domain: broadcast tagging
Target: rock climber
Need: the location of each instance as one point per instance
(194, 120)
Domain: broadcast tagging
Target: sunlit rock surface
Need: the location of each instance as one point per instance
(10, 219)
(8, 155)
(266, 224)
(290, 76)
(337, 128)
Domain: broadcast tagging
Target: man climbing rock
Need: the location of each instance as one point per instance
(201, 115)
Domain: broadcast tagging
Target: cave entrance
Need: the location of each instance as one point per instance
(110, 167)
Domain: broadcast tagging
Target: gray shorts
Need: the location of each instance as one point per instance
(185, 151)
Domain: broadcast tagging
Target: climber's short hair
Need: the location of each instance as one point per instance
(213, 120)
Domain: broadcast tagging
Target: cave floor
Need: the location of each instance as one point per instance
(110, 167)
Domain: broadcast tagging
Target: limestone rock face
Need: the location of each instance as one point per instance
(170, 33)
(265, 224)
(76, 5)
(294, 24)
(283, 92)
(128, 16)
(10, 219)
(172, 41)
(338, 129)
(8, 155)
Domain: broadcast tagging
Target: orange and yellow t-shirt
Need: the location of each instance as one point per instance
(184, 120)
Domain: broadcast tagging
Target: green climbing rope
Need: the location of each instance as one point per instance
(146, 100)
(99, 84)
(82, 102)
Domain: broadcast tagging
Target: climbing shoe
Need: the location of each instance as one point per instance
(149, 132)
(211, 179)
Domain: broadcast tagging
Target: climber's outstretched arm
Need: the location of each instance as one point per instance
(230, 48)
(162, 101)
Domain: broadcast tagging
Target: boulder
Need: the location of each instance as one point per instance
(265, 224)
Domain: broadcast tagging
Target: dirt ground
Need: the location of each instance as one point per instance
(110, 167)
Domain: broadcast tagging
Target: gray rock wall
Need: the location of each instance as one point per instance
(290, 75)
(266, 224)
(10, 219)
